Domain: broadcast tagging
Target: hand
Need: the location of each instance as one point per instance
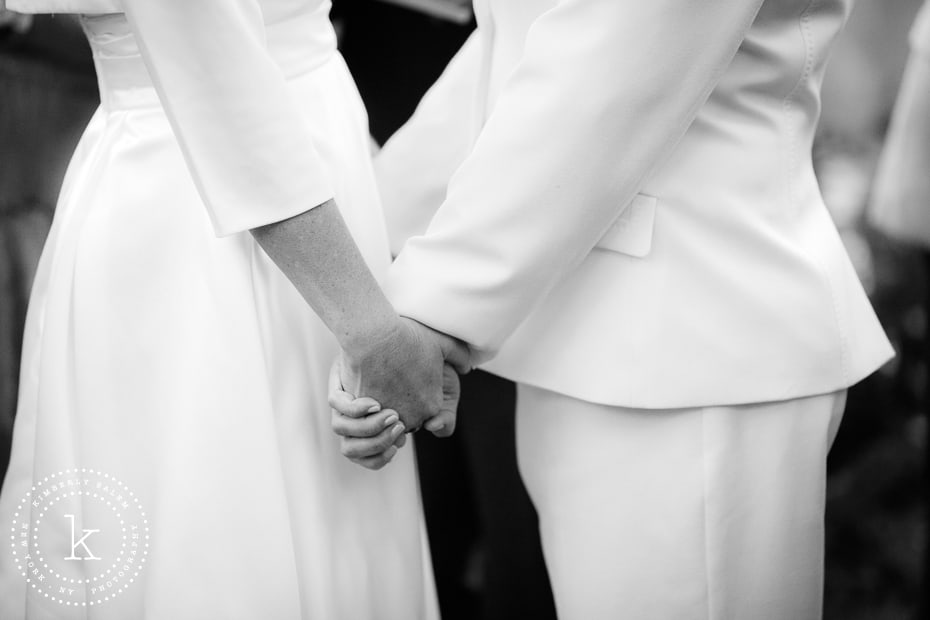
(370, 436)
(402, 370)
(17, 22)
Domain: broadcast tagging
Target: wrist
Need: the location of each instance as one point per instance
(361, 344)
(455, 352)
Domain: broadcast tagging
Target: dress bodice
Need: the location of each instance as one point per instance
(298, 42)
(274, 10)
(224, 74)
(86, 7)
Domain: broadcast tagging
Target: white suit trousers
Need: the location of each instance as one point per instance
(710, 513)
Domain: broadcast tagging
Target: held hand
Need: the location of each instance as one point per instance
(17, 22)
(370, 436)
(443, 423)
(403, 371)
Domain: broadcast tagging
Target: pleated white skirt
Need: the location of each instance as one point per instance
(188, 369)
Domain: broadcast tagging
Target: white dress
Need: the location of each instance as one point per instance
(172, 457)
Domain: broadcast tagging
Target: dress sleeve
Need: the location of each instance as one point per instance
(246, 143)
(603, 92)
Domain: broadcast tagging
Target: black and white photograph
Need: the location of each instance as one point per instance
(464, 309)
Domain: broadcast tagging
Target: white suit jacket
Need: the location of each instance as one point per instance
(615, 200)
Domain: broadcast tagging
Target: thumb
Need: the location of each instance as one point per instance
(454, 351)
(347, 380)
(456, 354)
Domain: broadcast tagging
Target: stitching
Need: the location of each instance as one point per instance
(708, 589)
(792, 180)
(788, 103)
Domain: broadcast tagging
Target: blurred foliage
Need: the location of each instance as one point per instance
(876, 492)
(877, 486)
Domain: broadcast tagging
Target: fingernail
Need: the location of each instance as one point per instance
(434, 428)
(374, 409)
(390, 452)
(391, 419)
(397, 430)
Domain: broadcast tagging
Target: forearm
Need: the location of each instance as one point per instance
(318, 255)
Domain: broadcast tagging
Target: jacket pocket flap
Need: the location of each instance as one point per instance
(631, 232)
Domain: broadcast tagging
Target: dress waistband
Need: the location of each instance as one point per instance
(299, 45)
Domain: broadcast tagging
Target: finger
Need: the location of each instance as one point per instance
(458, 355)
(346, 403)
(376, 462)
(369, 426)
(361, 447)
(347, 406)
(335, 378)
(441, 425)
(23, 25)
(454, 351)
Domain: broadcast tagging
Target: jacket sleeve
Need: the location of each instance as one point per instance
(245, 142)
(604, 90)
(415, 165)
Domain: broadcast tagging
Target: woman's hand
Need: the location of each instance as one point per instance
(11, 20)
(401, 367)
(371, 436)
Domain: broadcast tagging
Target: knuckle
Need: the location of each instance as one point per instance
(370, 427)
(358, 448)
(347, 449)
